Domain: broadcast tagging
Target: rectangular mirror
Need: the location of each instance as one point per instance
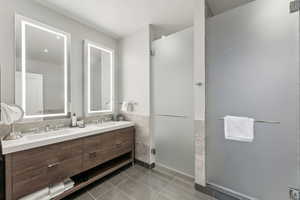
(42, 62)
(98, 78)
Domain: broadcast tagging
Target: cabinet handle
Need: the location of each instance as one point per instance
(118, 144)
(53, 164)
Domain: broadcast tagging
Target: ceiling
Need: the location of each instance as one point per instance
(216, 7)
(120, 18)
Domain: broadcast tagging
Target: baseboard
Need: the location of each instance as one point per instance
(166, 169)
(219, 193)
(144, 164)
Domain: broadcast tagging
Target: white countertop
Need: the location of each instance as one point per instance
(30, 141)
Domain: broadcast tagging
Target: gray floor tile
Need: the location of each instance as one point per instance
(136, 172)
(185, 178)
(164, 170)
(138, 167)
(115, 194)
(138, 183)
(162, 197)
(117, 179)
(179, 189)
(162, 174)
(100, 189)
(137, 190)
(84, 196)
(155, 180)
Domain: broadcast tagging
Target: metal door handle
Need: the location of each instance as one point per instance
(92, 155)
(199, 84)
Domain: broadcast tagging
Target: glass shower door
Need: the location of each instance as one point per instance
(252, 70)
(172, 101)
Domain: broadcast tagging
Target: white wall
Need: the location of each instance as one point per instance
(134, 85)
(199, 59)
(78, 33)
(134, 77)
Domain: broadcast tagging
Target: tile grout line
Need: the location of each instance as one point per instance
(164, 188)
(157, 192)
(92, 196)
(139, 181)
(130, 197)
(95, 198)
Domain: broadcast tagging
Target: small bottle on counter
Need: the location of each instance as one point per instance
(74, 120)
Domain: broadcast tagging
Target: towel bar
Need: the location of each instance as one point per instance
(176, 116)
(261, 121)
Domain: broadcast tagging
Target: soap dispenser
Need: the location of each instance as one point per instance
(74, 120)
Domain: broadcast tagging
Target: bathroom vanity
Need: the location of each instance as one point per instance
(86, 155)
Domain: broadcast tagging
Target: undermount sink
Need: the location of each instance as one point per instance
(108, 124)
(70, 131)
(36, 136)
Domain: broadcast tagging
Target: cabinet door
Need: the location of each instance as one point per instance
(29, 181)
(61, 170)
(29, 170)
(36, 169)
(104, 141)
(123, 141)
(68, 161)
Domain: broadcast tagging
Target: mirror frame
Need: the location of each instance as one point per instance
(23, 22)
(87, 85)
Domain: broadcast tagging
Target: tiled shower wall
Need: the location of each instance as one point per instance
(142, 136)
(200, 177)
(29, 126)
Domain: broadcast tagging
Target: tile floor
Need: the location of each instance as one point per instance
(139, 183)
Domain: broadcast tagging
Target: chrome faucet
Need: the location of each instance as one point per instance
(34, 130)
(47, 128)
(97, 121)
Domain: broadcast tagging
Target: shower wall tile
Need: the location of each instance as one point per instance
(4, 130)
(200, 177)
(26, 127)
(142, 136)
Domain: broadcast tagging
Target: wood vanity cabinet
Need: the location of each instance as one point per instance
(31, 170)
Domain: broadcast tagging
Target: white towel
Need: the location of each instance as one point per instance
(239, 128)
(45, 198)
(39, 195)
(124, 107)
(10, 113)
(57, 189)
(68, 184)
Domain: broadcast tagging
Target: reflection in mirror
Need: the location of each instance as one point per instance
(98, 79)
(41, 86)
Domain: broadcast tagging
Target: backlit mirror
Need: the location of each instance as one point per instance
(41, 76)
(99, 78)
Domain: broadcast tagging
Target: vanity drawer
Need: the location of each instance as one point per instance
(124, 137)
(67, 150)
(33, 180)
(32, 170)
(92, 159)
(44, 156)
(100, 142)
(30, 181)
(122, 149)
(38, 168)
(61, 170)
(33, 159)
